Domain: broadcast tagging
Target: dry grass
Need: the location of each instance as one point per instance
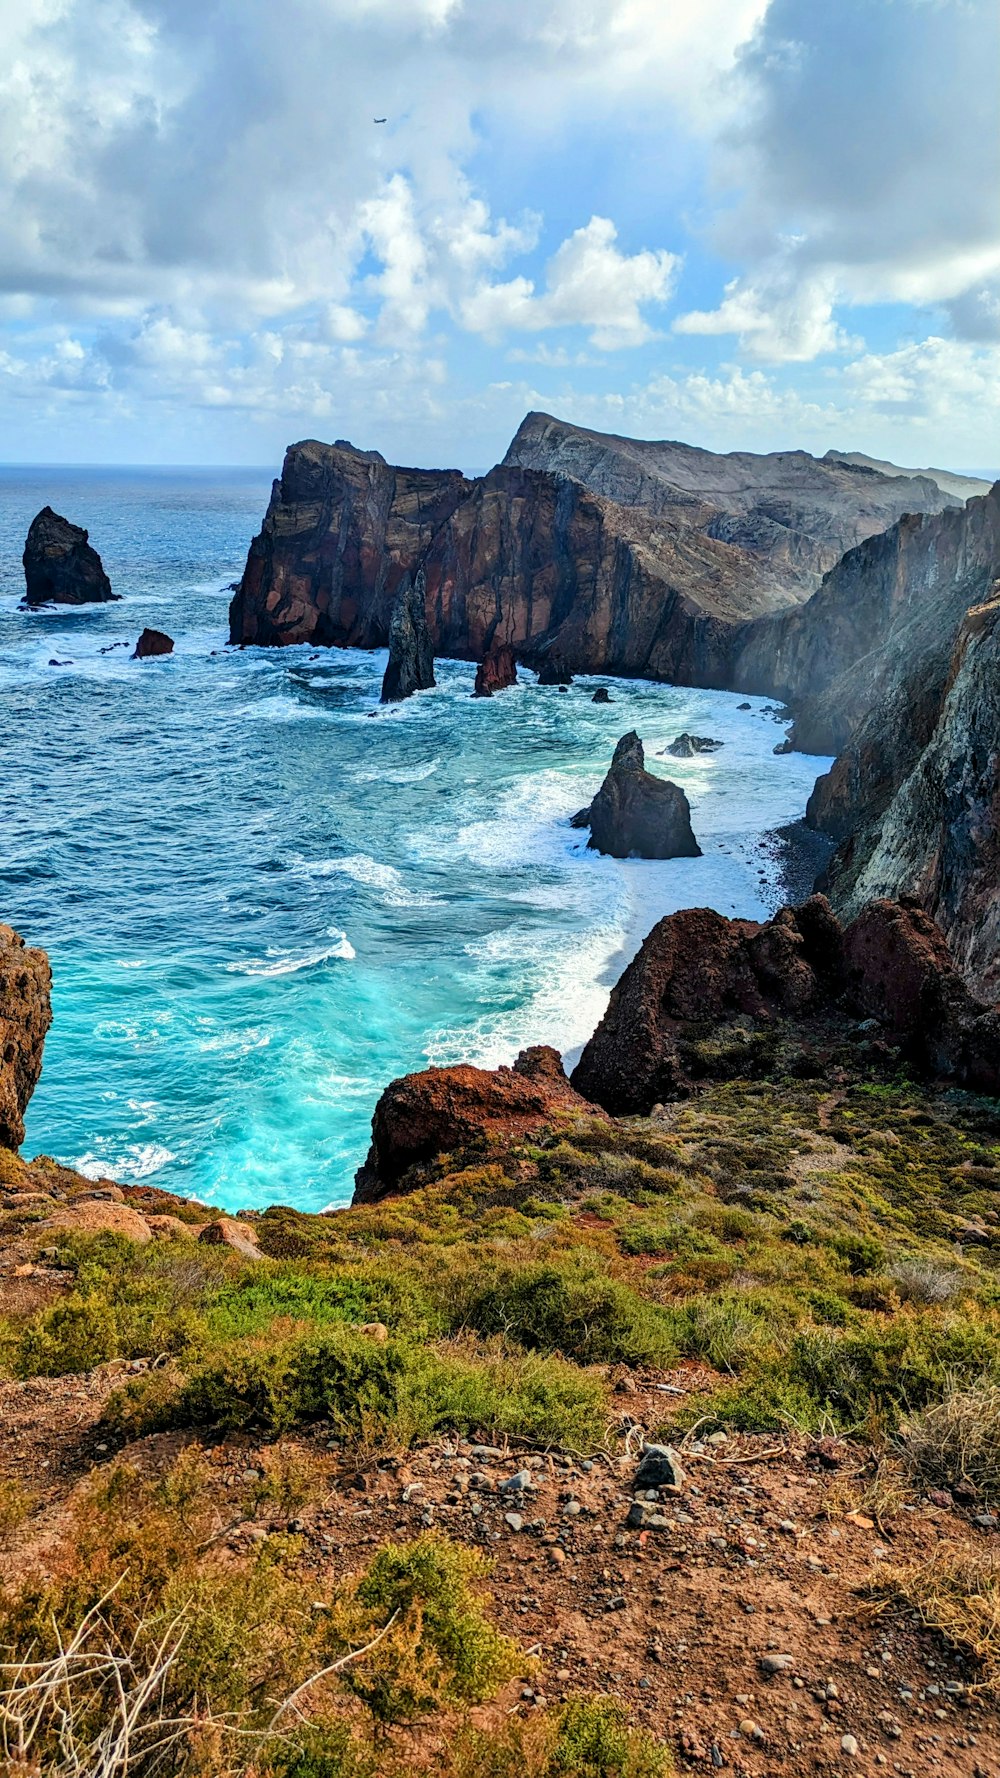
(957, 1442)
(956, 1595)
(924, 1279)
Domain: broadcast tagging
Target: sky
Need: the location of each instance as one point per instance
(748, 224)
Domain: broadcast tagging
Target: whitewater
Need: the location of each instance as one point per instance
(264, 896)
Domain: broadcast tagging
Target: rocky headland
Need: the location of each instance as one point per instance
(61, 566)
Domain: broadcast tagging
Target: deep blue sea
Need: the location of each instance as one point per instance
(264, 897)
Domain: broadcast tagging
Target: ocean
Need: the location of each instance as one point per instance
(264, 897)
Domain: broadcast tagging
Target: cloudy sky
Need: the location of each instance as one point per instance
(745, 223)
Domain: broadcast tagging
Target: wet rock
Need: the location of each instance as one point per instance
(443, 1110)
(636, 815)
(554, 672)
(688, 746)
(744, 706)
(25, 1017)
(602, 696)
(152, 643)
(411, 657)
(496, 671)
(61, 567)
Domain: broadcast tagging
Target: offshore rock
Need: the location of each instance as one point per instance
(25, 1016)
(60, 566)
(411, 657)
(711, 998)
(496, 671)
(152, 643)
(636, 815)
(442, 1110)
(554, 672)
(688, 746)
(601, 695)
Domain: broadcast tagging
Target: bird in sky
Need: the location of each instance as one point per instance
(380, 120)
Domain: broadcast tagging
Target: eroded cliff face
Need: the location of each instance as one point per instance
(609, 554)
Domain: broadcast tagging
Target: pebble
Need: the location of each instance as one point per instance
(516, 1484)
(849, 1745)
(776, 1663)
(751, 1729)
(514, 1520)
(572, 1509)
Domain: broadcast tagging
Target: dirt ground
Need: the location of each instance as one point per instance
(759, 1555)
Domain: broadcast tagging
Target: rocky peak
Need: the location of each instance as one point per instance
(637, 815)
(410, 666)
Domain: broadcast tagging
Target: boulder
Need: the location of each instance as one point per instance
(25, 1016)
(60, 566)
(151, 643)
(687, 746)
(225, 1231)
(634, 814)
(554, 672)
(496, 671)
(601, 695)
(711, 998)
(98, 1216)
(442, 1110)
(411, 657)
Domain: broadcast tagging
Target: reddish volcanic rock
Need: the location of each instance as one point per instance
(708, 997)
(152, 643)
(25, 1016)
(496, 671)
(444, 1109)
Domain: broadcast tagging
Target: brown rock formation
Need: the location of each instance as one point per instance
(708, 997)
(60, 566)
(496, 671)
(25, 1016)
(603, 554)
(411, 658)
(152, 643)
(636, 815)
(446, 1109)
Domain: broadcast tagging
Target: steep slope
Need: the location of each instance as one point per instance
(613, 555)
(964, 487)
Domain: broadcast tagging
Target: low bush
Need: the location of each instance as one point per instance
(575, 1309)
(957, 1442)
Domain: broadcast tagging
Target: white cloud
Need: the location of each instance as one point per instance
(588, 283)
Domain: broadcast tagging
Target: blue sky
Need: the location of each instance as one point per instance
(750, 224)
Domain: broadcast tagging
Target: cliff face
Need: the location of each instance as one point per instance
(25, 1016)
(611, 554)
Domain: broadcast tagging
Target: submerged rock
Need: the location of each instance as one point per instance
(601, 695)
(411, 657)
(496, 671)
(60, 566)
(686, 746)
(443, 1109)
(25, 1016)
(151, 643)
(636, 815)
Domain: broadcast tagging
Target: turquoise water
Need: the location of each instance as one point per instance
(262, 902)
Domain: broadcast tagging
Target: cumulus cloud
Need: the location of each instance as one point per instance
(863, 169)
(589, 283)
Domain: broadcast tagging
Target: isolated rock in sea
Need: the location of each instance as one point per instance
(60, 566)
(686, 746)
(496, 671)
(711, 998)
(445, 1109)
(25, 1016)
(601, 695)
(411, 657)
(151, 643)
(554, 672)
(636, 815)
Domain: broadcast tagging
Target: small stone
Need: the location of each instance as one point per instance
(514, 1520)
(776, 1663)
(751, 1729)
(849, 1745)
(660, 1467)
(517, 1484)
(788, 1526)
(572, 1509)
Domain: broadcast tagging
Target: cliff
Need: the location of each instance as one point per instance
(610, 554)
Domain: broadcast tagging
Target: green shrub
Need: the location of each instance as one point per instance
(575, 1309)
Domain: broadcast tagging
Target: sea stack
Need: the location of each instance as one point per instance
(25, 1016)
(60, 566)
(411, 657)
(496, 671)
(151, 643)
(634, 814)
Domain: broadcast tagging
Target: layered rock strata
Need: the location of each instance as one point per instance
(637, 815)
(61, 567)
